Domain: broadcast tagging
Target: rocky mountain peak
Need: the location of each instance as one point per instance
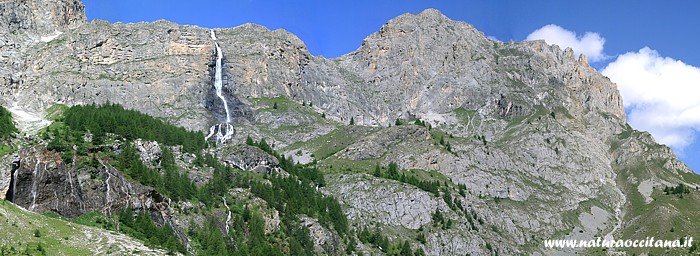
(429, 22)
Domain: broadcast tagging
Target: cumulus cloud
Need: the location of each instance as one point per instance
(661, 95)
(590, 44)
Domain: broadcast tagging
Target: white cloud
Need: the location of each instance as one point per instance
(493, 38)
(590, 44)
(661, 95)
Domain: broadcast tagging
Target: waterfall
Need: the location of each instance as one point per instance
(70, 182)
(213, 35)
(218, 81)
(228, 218)
(108, 204)
(14, 185)
(224, 131)
(34, 185)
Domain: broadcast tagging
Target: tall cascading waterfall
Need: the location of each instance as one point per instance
(224, 131)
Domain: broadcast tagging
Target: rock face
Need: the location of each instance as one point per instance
(165, 70)
(165, 74)
(538, 142)
(40, 17)
(249, 158)
(26, 22)
(43, 182)
(7, 166)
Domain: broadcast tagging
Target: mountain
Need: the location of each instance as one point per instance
(429, 138)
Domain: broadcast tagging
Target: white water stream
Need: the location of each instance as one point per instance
(224, 131)
(218, 81)
(35, 179)
(228, 218)
(14, 183)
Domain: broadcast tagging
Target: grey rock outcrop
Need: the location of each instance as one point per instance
(388, 202)
(40, 17)
(164, 69)
(158, 68)
(149, 152)
(539, 140)
(249, 158)
(25, 23)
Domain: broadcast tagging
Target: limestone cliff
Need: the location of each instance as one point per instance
(525, 140)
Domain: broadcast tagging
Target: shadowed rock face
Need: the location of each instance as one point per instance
(212, 102)
(44, 183)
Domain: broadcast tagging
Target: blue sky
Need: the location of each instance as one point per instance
(649, 48)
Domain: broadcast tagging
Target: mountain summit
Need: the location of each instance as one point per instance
(429, 138)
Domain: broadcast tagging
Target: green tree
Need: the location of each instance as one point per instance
(377, 171)
(249, 141)
(406, 249)
(246, 214)
(56, 144)
(264, 146)
(421, 237)
(352, 120)
(350, 247)
(7, 126)
(393, 171)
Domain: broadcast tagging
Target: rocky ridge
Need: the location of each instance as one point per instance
(531, 127)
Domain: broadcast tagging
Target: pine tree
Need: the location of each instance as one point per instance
(406, 249)
(377, 171)
(393, 172)
(249, 141)
(352, 120)
(7, 126)
(421, 237)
